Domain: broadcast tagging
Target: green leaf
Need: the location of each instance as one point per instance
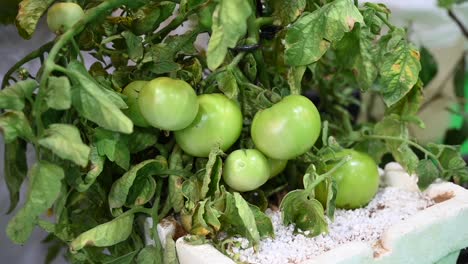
(120, 190)
(229, 25)
(375, 148)
(211, 217)
(12, 97)
(124, 259)
(14, 124)
(310, 36)
(286, 12)
(429, 66)
(453, 165)
(141, 192)
(148, 255)
(142, 139)
(29, 13)
(399, 68)
(96, 103)
(449, 3)
(94, 170)
(427, 173)
(392, 126)
(15, 169)
(9, 11)
(106, 234)
(361, 60)
(176, 196)
(239, 218)
(58, 94)
(149, 17)
(114, 146)
(64, 140)
(408, 105)
(170, 253)
(44, 188)
(227, 84)
(134, 46)
(305, 212)
(263, 222)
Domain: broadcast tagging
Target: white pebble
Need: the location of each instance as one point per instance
(388, 207)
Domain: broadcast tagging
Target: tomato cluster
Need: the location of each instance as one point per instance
(282, 132)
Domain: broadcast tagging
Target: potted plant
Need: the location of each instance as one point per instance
(158, 125)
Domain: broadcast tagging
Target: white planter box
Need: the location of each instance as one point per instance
(433, 235)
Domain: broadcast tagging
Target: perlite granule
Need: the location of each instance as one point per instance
(389, 206)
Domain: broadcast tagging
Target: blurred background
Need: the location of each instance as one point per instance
(434, 29)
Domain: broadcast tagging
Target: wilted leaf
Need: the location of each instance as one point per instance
(96, 165)
(310, 36)
(305, 212)
(15, 169)
(106, 234)
(64, 140)
(175, 181)
(14, 124)
(29, 13)
(44, 188)
(120, 190)
(399, 68)
(427, 173)
(12, 97)
(227, 84)
(58, 95)
(114, 146)
(229, 25)
(286, 12)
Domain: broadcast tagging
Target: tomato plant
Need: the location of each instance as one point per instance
(246, 170)
(287, 129)
(168, 104)
(132, 91)
(218, 122)
(159, 148)
(357, 180)
(62, 16)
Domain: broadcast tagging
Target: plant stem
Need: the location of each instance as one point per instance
(49, 63)
(385, 20)
(322, 177)
(31, 56)
(409, 142)
(253, 38)
(261, 21)
(462, 27)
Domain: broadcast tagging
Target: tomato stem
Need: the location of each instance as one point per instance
(409, 142)
(329, 173)
(385, 20)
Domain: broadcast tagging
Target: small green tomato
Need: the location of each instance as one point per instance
(246, 170)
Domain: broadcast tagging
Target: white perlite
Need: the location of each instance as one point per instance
(390, 206)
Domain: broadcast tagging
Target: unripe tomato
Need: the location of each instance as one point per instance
(62, 16)
(276, 166)
(246, 170)
(168, 104)
(132, 91)
(357, 180)
(218, 122)
(287, 129)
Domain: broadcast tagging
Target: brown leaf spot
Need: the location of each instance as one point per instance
(350, 21)
(415, 54)
(396, 67)
(355, 72)
(443, 197)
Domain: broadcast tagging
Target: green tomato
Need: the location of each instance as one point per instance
(276, 166)
(62, 16)
(218, 122)
(246, 170)
(287, 129)
(168, 104)
(357, 180)
(132, 91)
